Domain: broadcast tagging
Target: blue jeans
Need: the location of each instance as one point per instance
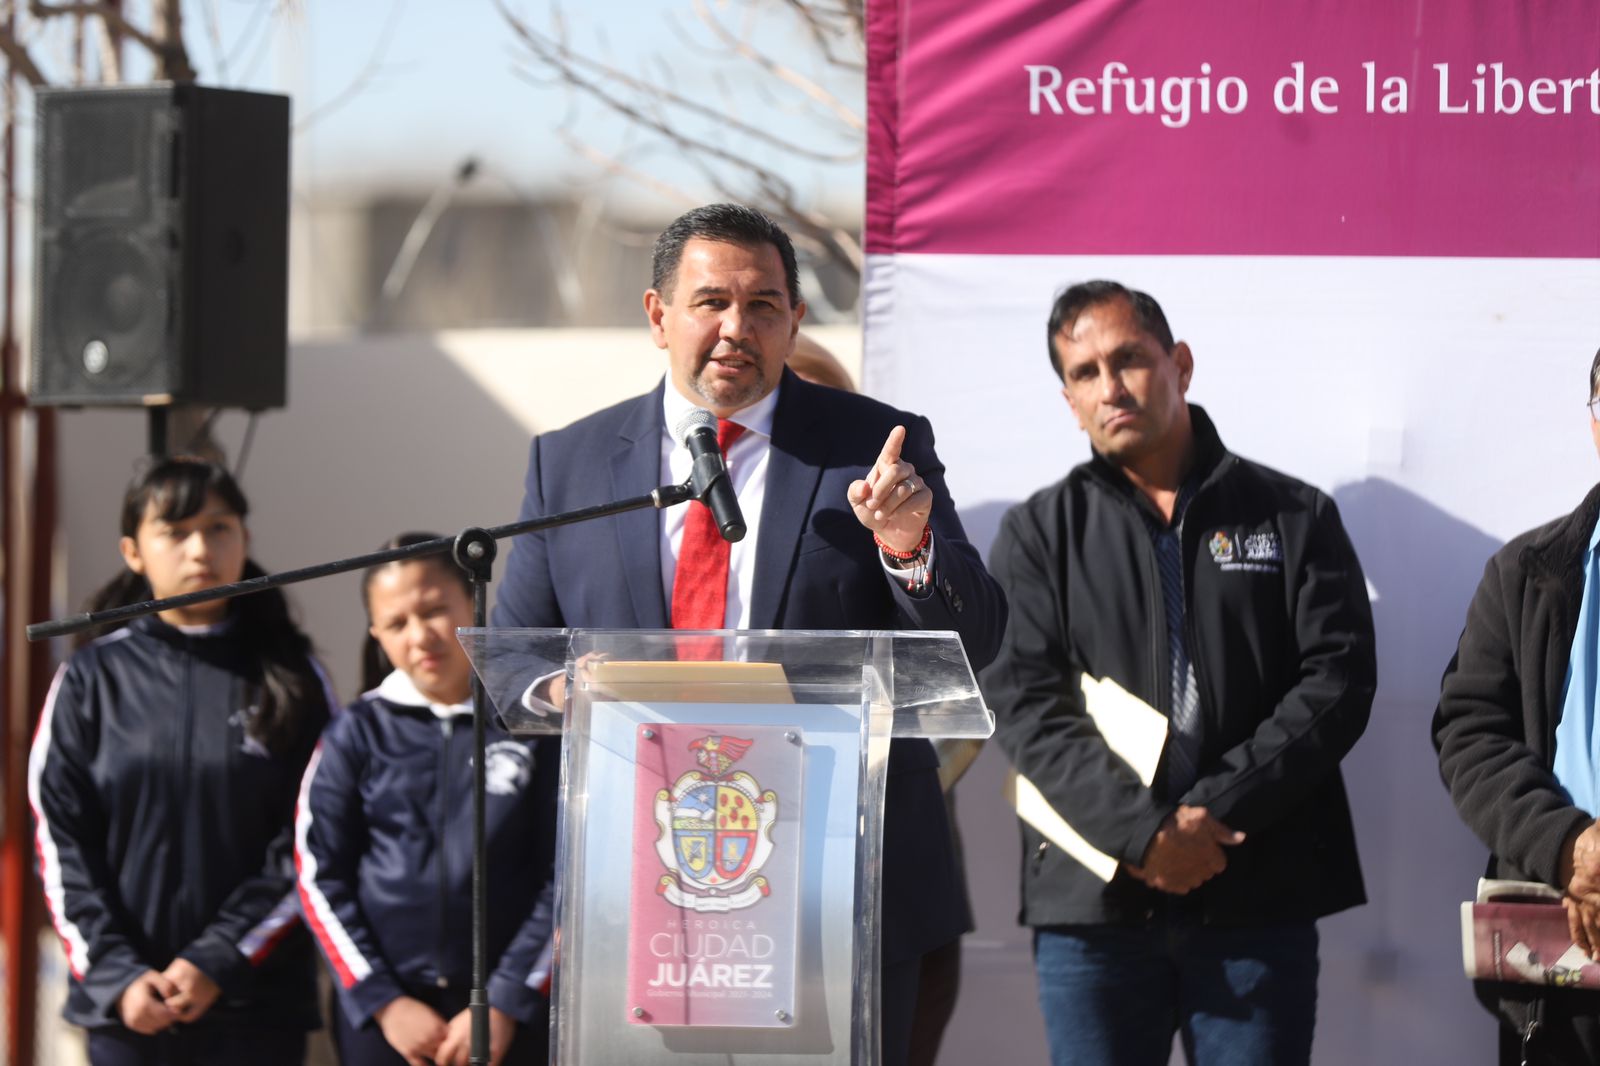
(1238, 997)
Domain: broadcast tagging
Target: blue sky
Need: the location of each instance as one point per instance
(445, 84)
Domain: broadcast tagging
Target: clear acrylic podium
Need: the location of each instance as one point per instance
(720, 829)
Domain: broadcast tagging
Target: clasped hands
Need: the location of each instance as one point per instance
(422, 1037)
(1580, 879)
(158, 999)
(1186, 852)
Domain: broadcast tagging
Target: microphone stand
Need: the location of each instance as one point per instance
(474, 550)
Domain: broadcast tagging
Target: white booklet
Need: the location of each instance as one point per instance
(1134, 730)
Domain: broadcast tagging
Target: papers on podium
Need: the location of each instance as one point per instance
(688, 681)
(1132, 729)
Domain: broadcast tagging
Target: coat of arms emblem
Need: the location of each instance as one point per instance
(715, 890)
(715, 830)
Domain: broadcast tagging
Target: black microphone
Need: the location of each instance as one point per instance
(697, 430)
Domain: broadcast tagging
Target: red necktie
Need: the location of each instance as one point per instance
(700, 585)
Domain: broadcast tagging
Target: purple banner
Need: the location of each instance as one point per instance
(1150, 127)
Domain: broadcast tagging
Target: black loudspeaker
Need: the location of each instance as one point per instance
(161, 247)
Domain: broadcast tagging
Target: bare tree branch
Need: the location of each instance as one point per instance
(786, 74)
(373, 67)
(79, 75)
(831, 241)
(170, 52)
(826, 240)
(697, 149)
(110, 43)
(214, 33)
(856, 13)
(172, 57)
(711, 136)
(824, 25)
(281, 12)
(809, 228)
(246, 36)
(21, 62)
(614, 167)
(594, 78)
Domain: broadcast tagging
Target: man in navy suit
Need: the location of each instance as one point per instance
(850, 527)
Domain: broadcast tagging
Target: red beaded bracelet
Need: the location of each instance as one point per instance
(922, 546)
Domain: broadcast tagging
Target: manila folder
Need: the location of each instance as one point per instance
(1134, 730)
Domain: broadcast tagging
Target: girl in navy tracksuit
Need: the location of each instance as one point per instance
(384, 842)
(163, 779)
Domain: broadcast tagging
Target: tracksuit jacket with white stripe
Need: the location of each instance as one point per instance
(163, 830)
(384, 850)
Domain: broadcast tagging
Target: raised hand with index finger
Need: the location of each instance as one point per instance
(892, 500)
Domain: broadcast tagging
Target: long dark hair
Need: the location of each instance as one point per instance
(292, 697)
(375, 665)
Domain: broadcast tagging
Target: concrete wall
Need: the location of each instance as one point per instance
(489, 262)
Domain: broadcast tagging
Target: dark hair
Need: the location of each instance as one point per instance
(292, 697)
(1074, 301)
(1594, 376)
(730, 224)
(375, 665)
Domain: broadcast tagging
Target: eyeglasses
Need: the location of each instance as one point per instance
(1594, 408)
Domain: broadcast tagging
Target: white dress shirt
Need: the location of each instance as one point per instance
(747, 467)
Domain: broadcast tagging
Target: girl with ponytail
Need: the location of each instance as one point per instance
(384, 842)
(163, 779)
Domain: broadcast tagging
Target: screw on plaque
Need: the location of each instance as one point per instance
(792, 737)
(638, 1012)
(648, 734)
(782, 1016)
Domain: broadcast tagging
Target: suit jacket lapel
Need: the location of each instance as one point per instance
(794, 468)
(635, 470)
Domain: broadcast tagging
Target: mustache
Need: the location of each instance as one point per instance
(723, 348)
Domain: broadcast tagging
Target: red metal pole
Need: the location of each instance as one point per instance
(27, 533)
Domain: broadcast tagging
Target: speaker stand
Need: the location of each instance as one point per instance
(156, 432)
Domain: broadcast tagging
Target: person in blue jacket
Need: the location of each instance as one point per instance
(384, 842)
(163, 779)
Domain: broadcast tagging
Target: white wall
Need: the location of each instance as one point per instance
(1439, 401)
